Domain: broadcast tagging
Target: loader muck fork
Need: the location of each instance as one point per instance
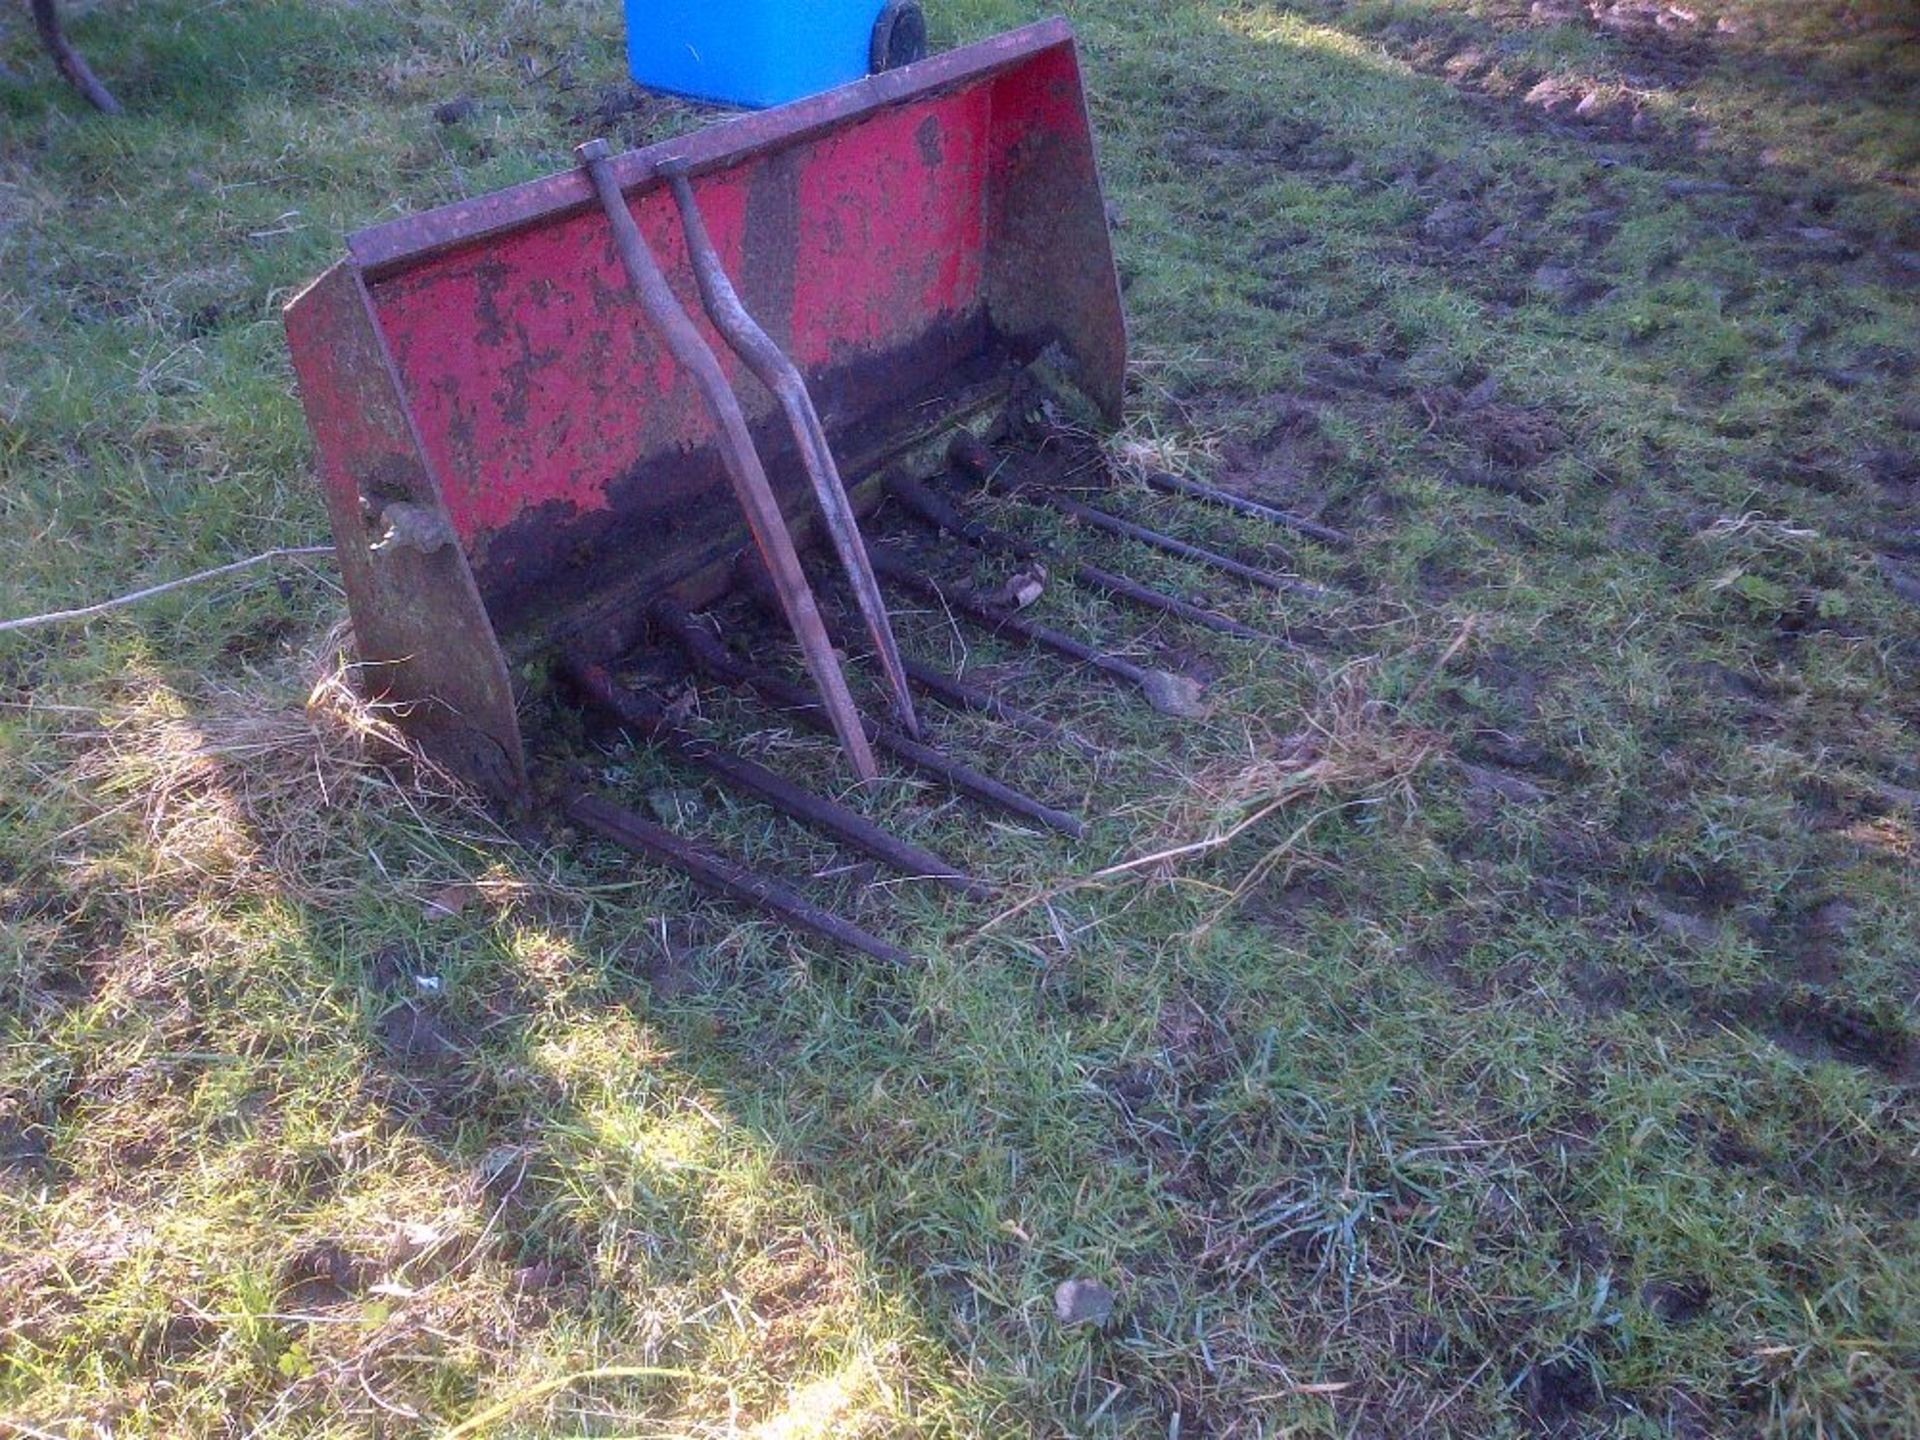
(542, 459)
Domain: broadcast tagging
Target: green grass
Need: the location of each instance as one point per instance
(1545, 1063)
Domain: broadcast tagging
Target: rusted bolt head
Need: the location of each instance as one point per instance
(593, 150)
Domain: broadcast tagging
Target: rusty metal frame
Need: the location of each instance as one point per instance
(429, 650)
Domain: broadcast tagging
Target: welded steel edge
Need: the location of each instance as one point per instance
(774, 369)
(757, 500)
(975, 459)
(713, 660)
(645, 717)
(1193, 490)
(464, 222)
(719, 875)
(933, 508)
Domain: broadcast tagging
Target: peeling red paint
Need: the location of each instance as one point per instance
(900, 228)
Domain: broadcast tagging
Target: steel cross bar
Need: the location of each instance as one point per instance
(719, 875)
(934, 509)
(744, 471)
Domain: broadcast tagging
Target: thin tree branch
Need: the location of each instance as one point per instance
(28, 622)
(46, 19)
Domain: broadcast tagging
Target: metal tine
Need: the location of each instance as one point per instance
(1166, 690)
(963, 694)
(714, 660)
(950, 690)
(645, 716)
(1193, 490)
(973, 457)
(780, 375)
(720, 875)
(932, 507)
(742, 461)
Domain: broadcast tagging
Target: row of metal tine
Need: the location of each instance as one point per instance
(647, 717)
(779, 582)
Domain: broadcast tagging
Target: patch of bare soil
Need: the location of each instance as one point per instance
(1659, 47)
(1502, 444)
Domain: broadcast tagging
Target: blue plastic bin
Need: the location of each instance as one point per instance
(764, 52)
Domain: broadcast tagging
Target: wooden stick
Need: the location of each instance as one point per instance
(46, 19)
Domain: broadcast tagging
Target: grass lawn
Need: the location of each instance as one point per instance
(1544, 1059)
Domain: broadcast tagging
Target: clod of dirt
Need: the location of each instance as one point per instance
(1179, 696)
(1680, 189)
(1021, 589)
(1555, 95)
(1822, 1027)
(1485, 476)
(1083, 1302)
(1557, 1391)
(531, 1279)
(417, 1036)
(391, 970)
(1481, 395)
(1826, 242)
(1500, 785)
(1556, 282)
(450, 900)
(1680, 924)
(23, 1148)
(1455, 222)
(1678, 1302)
(610, 102)
(1513, 435)
(319, 1274)
(456, 111)
(1902, 582)
(1595, 105)
(502, 1168)
(1628, 16)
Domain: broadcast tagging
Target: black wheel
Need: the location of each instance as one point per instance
(899, 36)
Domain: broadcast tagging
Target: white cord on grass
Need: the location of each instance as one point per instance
(56, 617)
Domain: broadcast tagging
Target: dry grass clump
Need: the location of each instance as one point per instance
(1146, 447)
(244, 789)
(1351, 750)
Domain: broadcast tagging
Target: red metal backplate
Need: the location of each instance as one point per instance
(535, 378)
(924, 223)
